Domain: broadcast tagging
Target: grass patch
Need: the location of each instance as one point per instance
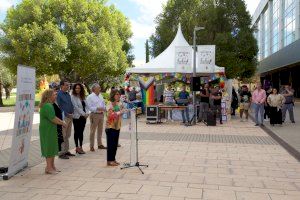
(12, 101)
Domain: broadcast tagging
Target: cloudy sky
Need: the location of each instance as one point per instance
(141, 14)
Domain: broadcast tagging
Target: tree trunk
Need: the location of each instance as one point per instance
(1, 102)
(7, 92)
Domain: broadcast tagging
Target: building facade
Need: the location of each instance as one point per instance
(277, 25)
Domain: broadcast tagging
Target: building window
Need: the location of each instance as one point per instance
(275, 26)
(289, 22)
(258, 38)
(266, 31)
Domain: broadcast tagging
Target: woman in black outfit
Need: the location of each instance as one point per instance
(79, 116)
(58, 114)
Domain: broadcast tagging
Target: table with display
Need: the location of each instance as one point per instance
(154, 112)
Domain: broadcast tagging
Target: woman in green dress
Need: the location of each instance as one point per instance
(48, 130)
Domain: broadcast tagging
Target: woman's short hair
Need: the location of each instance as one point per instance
(81, 94)
(112, 95)
(46, 97)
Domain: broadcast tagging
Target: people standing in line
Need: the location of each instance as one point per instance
(245, 102)
(267, 106)
(115, 110)
(288, 94)
(48, 130)
(204, 103)
(58, 114)
(96, 106)
(234, 101)
(276, 102)
(183, 99)
(216, 95)
(65, 104)
(80, 115)
(258, 101)
(169, 99)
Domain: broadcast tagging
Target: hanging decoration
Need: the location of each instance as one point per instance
(148, 95)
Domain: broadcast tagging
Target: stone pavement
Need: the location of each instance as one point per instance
(236, 161)
(288, 132)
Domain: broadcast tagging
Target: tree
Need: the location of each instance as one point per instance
(227, 25)
(147, 51)
(80, 40)
(7, 81)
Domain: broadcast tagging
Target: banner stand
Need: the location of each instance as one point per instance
(8, 176)
(24, 111)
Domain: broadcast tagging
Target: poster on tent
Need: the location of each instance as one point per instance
(183, 59)
(24, 111)
(206, 55)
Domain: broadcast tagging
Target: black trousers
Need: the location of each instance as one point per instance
(275, 115)
(79, 125)
(112, 138)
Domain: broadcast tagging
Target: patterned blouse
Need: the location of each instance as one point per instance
(114, 116)
(276, 100)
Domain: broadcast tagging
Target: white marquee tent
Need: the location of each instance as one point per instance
(165, 62)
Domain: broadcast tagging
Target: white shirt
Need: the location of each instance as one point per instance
(94, 102)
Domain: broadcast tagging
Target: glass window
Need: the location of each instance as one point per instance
(289, 22)
(275, 26)
(266, 31)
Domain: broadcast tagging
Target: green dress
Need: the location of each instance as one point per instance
(48, 131)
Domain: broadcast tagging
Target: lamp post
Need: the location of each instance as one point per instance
(194, 71)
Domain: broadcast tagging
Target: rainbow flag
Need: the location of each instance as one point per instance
(148, 95)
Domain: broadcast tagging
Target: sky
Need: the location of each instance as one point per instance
(141, 14)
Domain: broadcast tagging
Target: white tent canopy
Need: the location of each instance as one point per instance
(165, 62)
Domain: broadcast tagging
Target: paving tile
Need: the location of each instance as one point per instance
(186, 192)
(81, 198)
(67, 185)
(157, 190)
(48, 197)
(134, 196)
(284, 197)
(190, 179)
(267, 191)
(218, 194)
(162, 177)
(252, 196)
(15, 196)
(125, 188)
(167, 198)
(218, 181)
(95, 186)
(203, 186)
(109, 195)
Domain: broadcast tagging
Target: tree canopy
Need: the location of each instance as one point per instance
(227, 25)
(84, 40)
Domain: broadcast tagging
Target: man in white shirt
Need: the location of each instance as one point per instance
(96, 105)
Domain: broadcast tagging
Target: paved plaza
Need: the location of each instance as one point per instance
(232, 161)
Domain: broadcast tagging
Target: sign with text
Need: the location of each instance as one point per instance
(183, 59)
(24, 111)
(206, 58)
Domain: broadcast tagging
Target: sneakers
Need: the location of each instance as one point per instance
(256, 124)
(64, 156)
(242, 120)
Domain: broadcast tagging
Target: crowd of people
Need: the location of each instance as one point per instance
(271, 105)
(59, 110)
(209, 98)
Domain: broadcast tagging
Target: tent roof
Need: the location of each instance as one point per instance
(165, 62)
